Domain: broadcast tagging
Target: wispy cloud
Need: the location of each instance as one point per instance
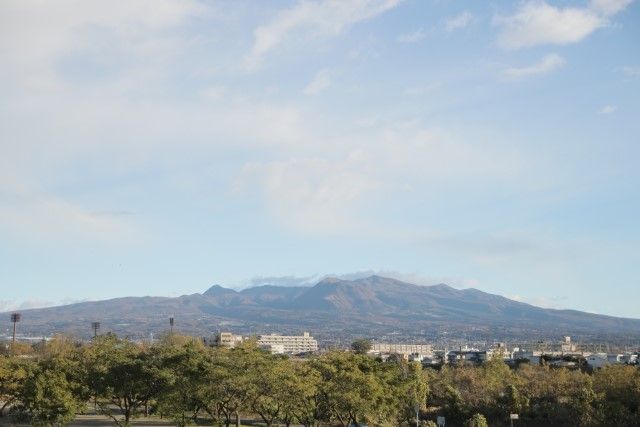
(412, 278)
(538, 23)
(421, 89)
(42, 216)
(324, 18)
(412, 37)
(608, 109)
(609, 7)
(9, 305)
(329, 192)
(320, 82)
(631, 71)
(34, 35)
(546, 65)
(459, 21)
(284, 281)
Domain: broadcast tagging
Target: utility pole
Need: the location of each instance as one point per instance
(95, 326)
(171, 322)
(15, 318)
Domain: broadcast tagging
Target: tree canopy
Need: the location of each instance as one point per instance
(186, 382)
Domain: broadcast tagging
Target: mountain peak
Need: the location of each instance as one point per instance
(330, 280)
(373, 305)
(218, 290)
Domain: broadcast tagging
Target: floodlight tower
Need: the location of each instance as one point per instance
(95, 326)
(171, 322)
(15, 318)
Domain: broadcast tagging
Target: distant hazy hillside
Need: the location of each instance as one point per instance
(334, 309)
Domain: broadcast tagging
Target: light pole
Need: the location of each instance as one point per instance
(95, 326)
(15, 318)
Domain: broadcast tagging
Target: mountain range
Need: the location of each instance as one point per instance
(335, 311)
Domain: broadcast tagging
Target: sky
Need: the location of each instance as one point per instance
(158, 147)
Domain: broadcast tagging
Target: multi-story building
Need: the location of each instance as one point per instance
(468, 355)
(228, 339)
(293, 344)
(403, 349)
(567, 346)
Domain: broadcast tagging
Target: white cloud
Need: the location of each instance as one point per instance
(108, 127)
(310, 195)
(117, 137)
(538, 23)
(412, 278)
(459, 21)
(322, 18)
(608, 109)
(34, 35)
(609, 7)
(421, 90)
(8, 305)
(320, 82)
(331, 191)
(284, 281)
(546, 65)
(412, 37)
(213, 93)
(630, 71)
(310, 178)
(39, 216)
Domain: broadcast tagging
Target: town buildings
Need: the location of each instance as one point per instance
(290, 344)
(402, 349)
(277, 344)
(228, 339)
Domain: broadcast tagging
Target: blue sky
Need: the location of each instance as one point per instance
(156, 147)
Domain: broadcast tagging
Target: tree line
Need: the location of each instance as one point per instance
(180, 379)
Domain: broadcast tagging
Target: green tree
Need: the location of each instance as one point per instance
(227, 388)
(513, 402)
(272, 382)
(477, 420)
(46, 397)
(407, 389)
(123, 375)
(13, 374)
(446, 395)
(184, 367)
(453, 404)
(361, 346)
(304, 401)
(350, 391)
(619, 386)
(558, 396)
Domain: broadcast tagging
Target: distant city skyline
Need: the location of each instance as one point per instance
(158, 147)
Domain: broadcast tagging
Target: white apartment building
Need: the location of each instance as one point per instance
(404, 349)
(292, 344)
(228, 339)
(567, 346)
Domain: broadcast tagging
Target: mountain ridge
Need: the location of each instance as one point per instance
(333, 306)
